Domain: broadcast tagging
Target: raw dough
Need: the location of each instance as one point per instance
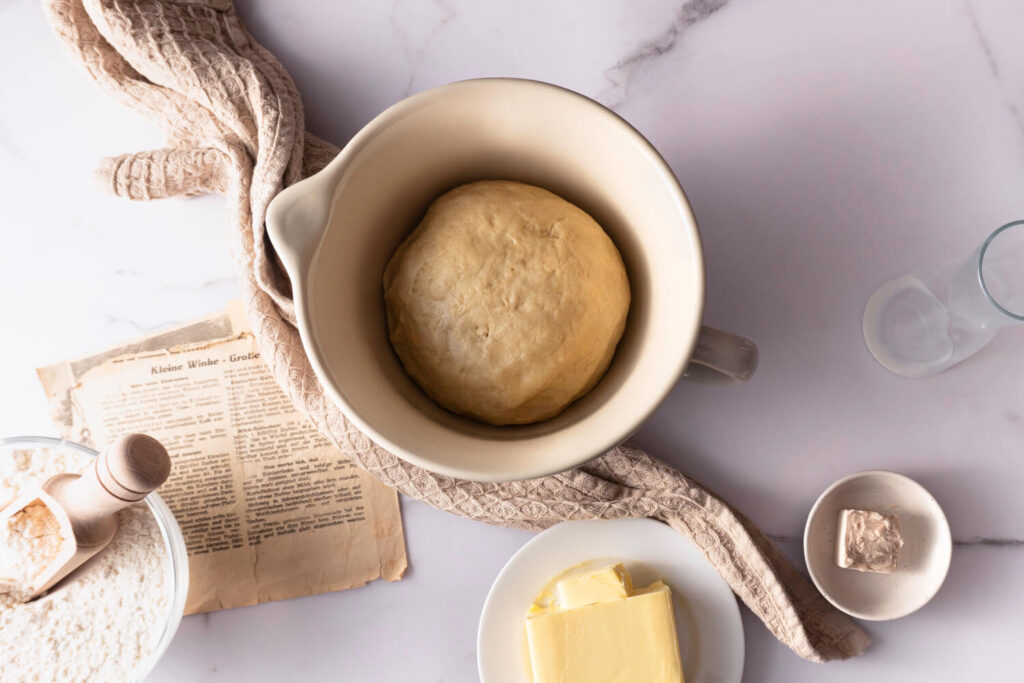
(506, 303)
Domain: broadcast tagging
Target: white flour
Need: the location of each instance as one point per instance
(29, 541)
(101, 625)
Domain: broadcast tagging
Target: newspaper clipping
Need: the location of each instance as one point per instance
(269, 509)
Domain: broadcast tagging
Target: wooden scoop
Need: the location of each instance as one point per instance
(85, 505)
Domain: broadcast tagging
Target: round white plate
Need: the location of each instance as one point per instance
(924, 558)
(707, 616)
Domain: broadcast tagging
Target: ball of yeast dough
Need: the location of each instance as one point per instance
(506, 303)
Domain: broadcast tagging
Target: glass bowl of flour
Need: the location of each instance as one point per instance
(115, 616)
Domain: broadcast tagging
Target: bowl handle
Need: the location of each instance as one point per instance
(721, 358)
(296, 222)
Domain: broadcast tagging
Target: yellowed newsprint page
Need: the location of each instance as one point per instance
(269, 509)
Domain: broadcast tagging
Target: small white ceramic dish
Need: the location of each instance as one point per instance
(707, 617)
(924, 558)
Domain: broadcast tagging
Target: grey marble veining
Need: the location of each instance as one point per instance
(416, 30)
(690, 13)
(139, 328)
(994, 542)
(211, 283)
(10, 149)
(967, 542)
(993, 63)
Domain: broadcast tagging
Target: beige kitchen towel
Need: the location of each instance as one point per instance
(234, 125)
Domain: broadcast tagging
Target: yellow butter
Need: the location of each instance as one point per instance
(601, 630)
(603, 585)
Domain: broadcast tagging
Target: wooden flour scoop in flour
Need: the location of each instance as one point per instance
(85, 505)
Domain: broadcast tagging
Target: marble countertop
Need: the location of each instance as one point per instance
(825, 147)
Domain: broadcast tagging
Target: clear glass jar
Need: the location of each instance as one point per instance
(174, 542)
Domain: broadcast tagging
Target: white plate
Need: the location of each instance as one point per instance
(924, 558)
(707, 617)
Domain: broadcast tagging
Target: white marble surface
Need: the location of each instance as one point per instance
(825, 146)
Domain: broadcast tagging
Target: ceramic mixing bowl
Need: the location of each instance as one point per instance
(336, 230)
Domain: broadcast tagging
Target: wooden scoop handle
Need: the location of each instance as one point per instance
(126, 472)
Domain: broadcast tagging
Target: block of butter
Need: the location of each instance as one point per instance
(868, 541)
(600, 629)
